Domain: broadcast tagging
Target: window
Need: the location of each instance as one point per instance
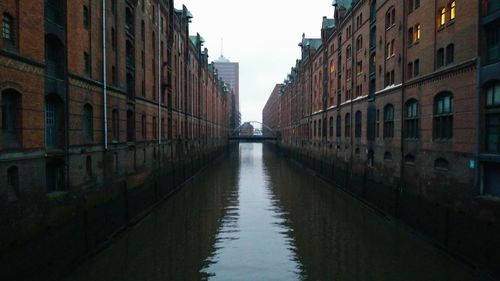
(155, 128)
(143, 126)
(441, 164)
(389, 78)
(347, 128)
(440, 58)
(389, 121)
(452, 10)
(11, 119)
(86, 61)
(86, 17)
(359, 43)
(410, 37)
(357, 123)
(338, 127)
(442, 16)
(493, 118)
(359, 67)
(88, 166)
(410, 159)
(130, 126)
(416, 34)
(13, 183)
(88, 123)
(450, 50)
(416, 68)
(412, 119)
(443, 116)
(331, 127)
(417, 4)
(410, 6)
(348, 52)
(143, 30)
(493, 42)
(390, 17)
(387, 156)
(113, 38)
(410, 70)
(389, 50)
(129, 21)
(8, 28)
(115, 125)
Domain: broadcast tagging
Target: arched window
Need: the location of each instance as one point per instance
(359, 43)
(452, 10)
(412, 115)
(11, 119)
(339, 127)
(390, 17)
(8, 28)
(389, 121)
(442, 16)
(357, 122)
(492, 137)
(387, 156)
(88, 123)
(441, 164)
(347, 127)
(115, 125)
(443, 116)
(409, 158)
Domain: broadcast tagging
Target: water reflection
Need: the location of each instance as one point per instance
(253, 216)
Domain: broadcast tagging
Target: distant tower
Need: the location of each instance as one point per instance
(229, 72)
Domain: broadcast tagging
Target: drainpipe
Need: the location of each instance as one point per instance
(104, 74)
(402, 111)
(159, 73)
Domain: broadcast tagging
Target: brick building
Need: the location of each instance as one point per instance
(98, 94)
(403, 94)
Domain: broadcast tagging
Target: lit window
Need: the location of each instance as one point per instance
(442, 16)
(452, 10)
(416, 36)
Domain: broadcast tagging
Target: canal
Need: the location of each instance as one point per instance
(254, 216)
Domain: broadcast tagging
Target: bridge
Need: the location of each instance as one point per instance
(253, 131)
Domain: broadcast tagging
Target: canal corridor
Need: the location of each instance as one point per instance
(254, 216)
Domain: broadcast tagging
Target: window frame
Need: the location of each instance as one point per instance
(443, 117)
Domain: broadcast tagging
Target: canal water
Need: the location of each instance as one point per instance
(254, 216)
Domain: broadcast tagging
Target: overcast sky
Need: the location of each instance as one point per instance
(262, 35)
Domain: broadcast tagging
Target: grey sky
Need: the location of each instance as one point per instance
(262, 35)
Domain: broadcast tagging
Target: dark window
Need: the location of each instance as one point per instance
(54, 175)
(359, 43)
(409, 159)
(88, 120)
(13, 183)
(410, 70)
(416, 66)
(113, 38)
(410, 37)
(8, 28)
(441, 164)
(338, 127)
(412, 119)
(88, 166)
(390, 17)
(387, 156)
(347, 128)
(493, 118)
(417, 4)
(315, 128)
(54, 125)
(130, 59)
(348, 52)
(331, 127)
(86, 61)
(440, 58)
(357, 121)
(410, 6)
(115, 125)
(54, 57)
(155, 128)
(493, 41)
(143, 126)
(450, 54)
(11, 119)
(443, 116)
(130, 125)
(86, 17)
(130, 86)
(143, 31)
(129, 21)
(389, 121)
